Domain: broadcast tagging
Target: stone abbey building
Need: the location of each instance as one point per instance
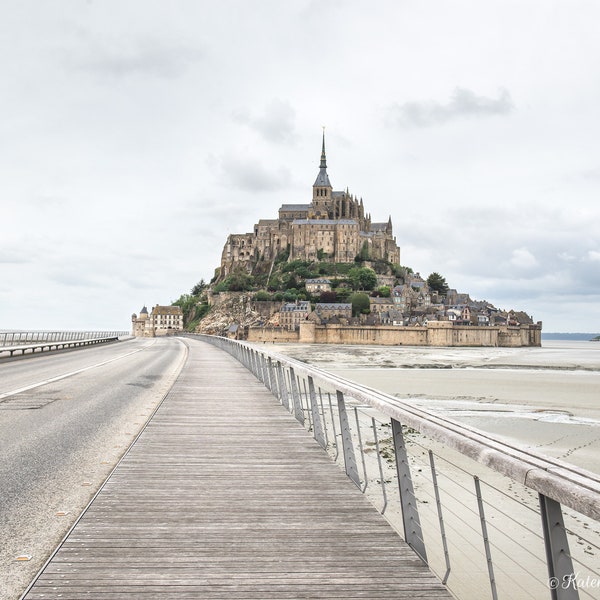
(333, 227)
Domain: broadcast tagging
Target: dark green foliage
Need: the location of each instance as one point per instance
(342, 293)
(282, 257)
(193, 310)
(363, 254)
(199, 288)
(262, 296)
(360, 304)
(437, 283)
(382, 267)
(362, 278)
(238, 281)
(200, 311)
(295, 265)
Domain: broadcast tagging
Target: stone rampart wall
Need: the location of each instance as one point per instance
(435, 334)
(272, 334)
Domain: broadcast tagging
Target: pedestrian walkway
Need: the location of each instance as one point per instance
(225, 495)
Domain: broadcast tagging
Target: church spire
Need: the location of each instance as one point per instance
(323, 164)
(322, 180)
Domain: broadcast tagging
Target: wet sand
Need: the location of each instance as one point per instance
(546, 398)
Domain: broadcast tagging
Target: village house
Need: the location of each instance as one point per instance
(316, 286)
(329, 310)
(380, 305)
(293, 313)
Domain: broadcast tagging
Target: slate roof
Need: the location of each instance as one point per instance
(166, 310)
(296, 207)
(333, 306)
(324, 222)
(379, 226)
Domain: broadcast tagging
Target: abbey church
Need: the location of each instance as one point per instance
(333, 227)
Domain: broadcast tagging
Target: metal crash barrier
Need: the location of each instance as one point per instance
(31, 342)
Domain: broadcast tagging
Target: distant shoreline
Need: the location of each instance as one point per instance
(569, 336)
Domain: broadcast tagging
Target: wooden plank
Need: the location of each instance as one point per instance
(225, 495)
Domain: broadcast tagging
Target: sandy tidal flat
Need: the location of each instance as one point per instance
(546, 398)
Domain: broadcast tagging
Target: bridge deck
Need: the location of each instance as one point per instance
(225, 495)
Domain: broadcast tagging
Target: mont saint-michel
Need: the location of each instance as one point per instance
(327, 272)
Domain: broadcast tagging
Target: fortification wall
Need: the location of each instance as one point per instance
(435, 334)
(272, 334)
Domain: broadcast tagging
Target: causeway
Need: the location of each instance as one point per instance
(225, 495)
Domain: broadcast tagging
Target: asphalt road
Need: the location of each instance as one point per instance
(65, 421)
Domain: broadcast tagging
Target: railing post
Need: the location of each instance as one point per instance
(413, 534)
(265, 370)
(486, 539)
(259, 370)
(438, 503)
(560, 566)
(347, 445)
(253, 368)
(273, 377)
(285, 401)
(316, 417)
(381, 475)
(298, 412)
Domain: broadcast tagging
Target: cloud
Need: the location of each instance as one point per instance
(523, 259)
(593, 256)
(144, 57)
(251, 175)
(464, 103)
(276, 124)
(9, 256)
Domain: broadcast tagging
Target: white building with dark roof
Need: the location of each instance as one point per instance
(163, 320)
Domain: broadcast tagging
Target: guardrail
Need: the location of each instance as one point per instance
(14, 338)
(12, 343)
(490, 519)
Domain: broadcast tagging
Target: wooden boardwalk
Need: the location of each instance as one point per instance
(225, 495)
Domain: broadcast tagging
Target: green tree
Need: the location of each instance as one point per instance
(262, 296)
(363, 254)
(360, 304)
(239, 282)
(199, 288)
(289, 281)
(384, 291)
(437, 283)
(342, 294)
(362, 278)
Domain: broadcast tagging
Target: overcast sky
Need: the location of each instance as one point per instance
(135, 135)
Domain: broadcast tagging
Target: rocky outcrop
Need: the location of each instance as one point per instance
(228, 308)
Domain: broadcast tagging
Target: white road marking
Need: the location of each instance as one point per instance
(65, 375)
